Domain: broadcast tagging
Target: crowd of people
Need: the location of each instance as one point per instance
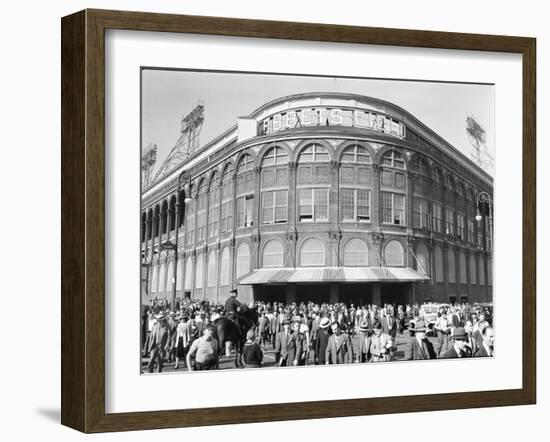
(300, 334)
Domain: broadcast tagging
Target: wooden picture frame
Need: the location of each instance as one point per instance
(83, 220)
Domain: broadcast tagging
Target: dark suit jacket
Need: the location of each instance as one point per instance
(285, 348)
(415, 352)
(160, 335)
(341, 353)
(321, 345)
(452, 354)
(481, 352)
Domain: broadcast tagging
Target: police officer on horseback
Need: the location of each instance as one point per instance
(232, 306)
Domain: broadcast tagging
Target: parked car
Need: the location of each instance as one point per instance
(429, 314)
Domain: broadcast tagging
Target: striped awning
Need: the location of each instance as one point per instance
(332, 274)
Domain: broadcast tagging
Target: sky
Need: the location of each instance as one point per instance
(168, 95)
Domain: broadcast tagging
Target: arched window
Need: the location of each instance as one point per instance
(273, 254)
(481, 270)
(150, 222)
(393, 159)
(423, 259)
(181, 213)
(245, 191)
(463, 277)
(156, 221)
(451, 266)
(438, 175)
(188, 274)
(312, 253)
(355, 184)
(473, 279)
(214, 205)
(356, 253)
(356, 154)
(313, 183)
(190, 223)
(245, 175)
(394, 254)
(461, 190)
(143, 226)
(227, 199)
(438, 264)
(243, 259)
(164, 217)
(274, 186)
(450, 182)
(199, 271)
(420, 166)
(212, 269)
(225, 267)
(392, 180)
(201, 210)
(172, 213)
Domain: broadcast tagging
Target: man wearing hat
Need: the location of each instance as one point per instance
(460, 341)
(420, 347)
(283, 344)
(365, 332)
(158, 343)
(232, 305)
(339, 347)
(321, 341)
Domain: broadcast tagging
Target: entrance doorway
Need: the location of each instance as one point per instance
(317, 293)
(396, 293)
(270, 293)
(358, 294)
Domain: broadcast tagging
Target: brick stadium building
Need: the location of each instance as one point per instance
(322, 197)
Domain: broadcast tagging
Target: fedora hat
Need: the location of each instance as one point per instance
(364, 326)
(325, 322)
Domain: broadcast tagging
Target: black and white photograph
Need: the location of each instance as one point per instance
(302, 221)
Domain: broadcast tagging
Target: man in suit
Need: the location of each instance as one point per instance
(321, 342)
(381, 346)
(339, 347)
(282, 344)
(472, 344)
(486, 349)
(458, 350)
(365, 332)
(419, 346)
(389, 325)
(298, 346)
(158, 344)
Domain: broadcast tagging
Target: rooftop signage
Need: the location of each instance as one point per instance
(331, 116)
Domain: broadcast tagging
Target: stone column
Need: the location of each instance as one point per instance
(411, 177)
(291, 240)
(376, 199)
(334, 195)
(292, 196)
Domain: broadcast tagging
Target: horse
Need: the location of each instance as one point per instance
(227, 330)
